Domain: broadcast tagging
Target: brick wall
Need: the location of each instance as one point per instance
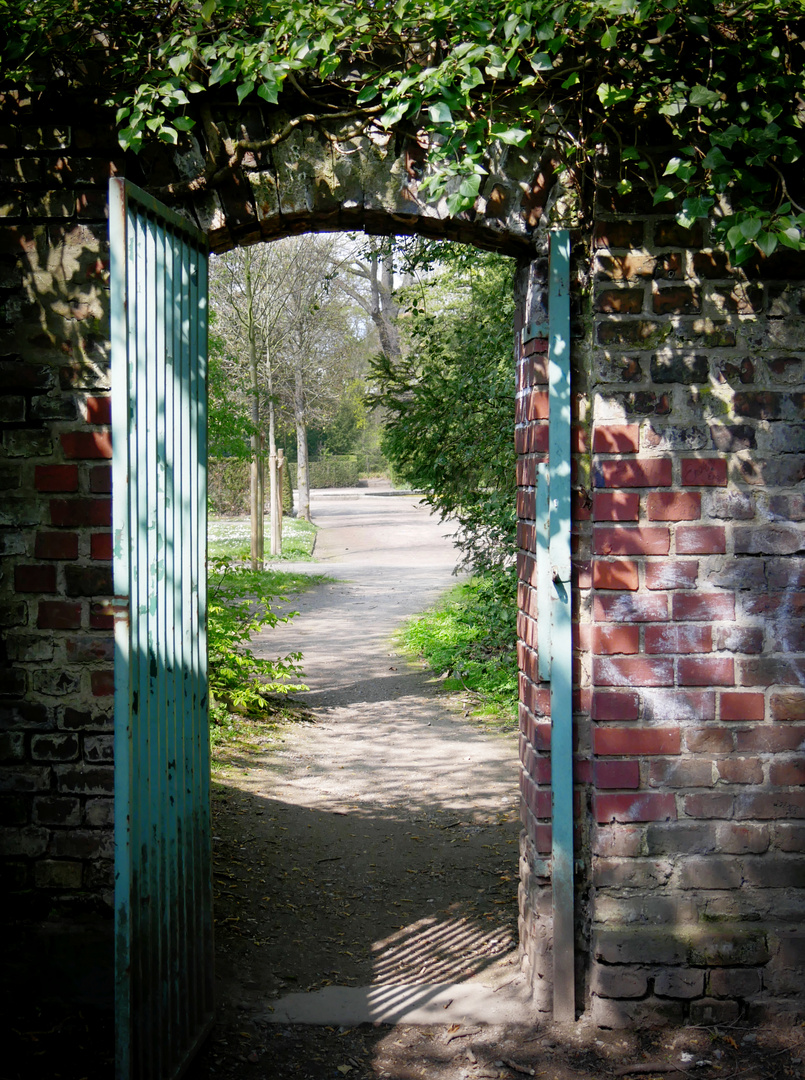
(690, 645)
(55, 515)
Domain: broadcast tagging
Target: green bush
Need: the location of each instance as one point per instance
(471, 638)
(239, 604)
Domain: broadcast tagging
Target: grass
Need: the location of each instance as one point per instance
(230, 538)
(470, 637)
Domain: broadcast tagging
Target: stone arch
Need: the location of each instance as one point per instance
(251, 174)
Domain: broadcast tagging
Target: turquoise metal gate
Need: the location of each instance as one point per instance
(163, 883)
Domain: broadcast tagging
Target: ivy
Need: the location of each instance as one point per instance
(719, 85)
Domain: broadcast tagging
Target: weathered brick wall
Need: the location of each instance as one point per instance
(689, 642)
(55, 514)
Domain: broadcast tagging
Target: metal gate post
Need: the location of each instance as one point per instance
(564, 998)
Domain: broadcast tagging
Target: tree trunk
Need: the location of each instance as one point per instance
(302, 475)
(275, 493)
(255, 486)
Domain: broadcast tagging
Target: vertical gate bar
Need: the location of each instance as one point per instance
(186, 624)
(561, 636)
(543, 573)
(120, 566)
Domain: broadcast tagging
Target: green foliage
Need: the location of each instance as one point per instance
(472, 636)
(239, 605)
(449, 403)
(704, 98)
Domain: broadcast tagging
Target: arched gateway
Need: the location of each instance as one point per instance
(686, 521)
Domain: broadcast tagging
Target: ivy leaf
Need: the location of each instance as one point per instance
(613, 95)
(269, 91)
(510, 136)
(208, 10)
(609, 37)
(470, 187)
(541, 62)
(750, 227)
(766, 242)
(663, 194)
(715, 159)
(703, 98)
(184, 123)
(169, 134)
(178, 63)
(693, 209)
(394, 114)
(439, 113)
(244, 90)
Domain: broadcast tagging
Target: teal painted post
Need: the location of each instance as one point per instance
(564, 1001)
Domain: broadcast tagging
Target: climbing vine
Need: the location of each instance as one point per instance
(702, 99)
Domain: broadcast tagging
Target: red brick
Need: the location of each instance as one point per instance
(710, 607)
(620, 574)
(100, 479)
(709, 805)
(631, 540)
(56, 477)
(701, 540)
(58, 615)
(616, 506)
(678, 639)
(101, 615)
(101, 545)
(704, 472)
(607, 705)
(672, 574)
(625, 608)
(615, 639)
(633, 671)
(738, 770)
(710, 671)
(636, 741)
(631, 473)
(788, 773)
(616, 439)
(103, 682)
(56, 545)
(734, 705)
(35, 579)
(770, 806)
(76, 512)
(788, 705)
(615, 234)
(609, 775)
(619, 301)
(674, 506)
(99, 410)
(709, 740)
(87, 444)
(768, 670)
(642, 806)
(770, 739)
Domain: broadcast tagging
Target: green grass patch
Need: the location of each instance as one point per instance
(249, 694)
(230, 538)
(471, 635)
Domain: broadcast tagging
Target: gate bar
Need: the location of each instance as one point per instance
(564, 997)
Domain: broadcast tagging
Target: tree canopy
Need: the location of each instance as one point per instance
(703, 99)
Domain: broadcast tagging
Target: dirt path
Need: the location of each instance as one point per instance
(383, 836)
